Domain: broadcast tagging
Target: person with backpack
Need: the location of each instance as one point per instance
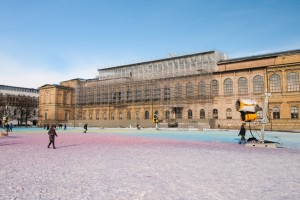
(52, 134)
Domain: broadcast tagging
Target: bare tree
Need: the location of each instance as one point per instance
(26, 107)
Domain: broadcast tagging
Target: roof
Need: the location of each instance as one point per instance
(159, 60)
(256, 57)
(17, 87)
(55, 85)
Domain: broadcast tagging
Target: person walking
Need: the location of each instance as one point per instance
(85, 128)
(10, 127)
(52, 134)
(242, 133)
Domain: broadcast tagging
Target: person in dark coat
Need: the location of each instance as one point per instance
(85, 128)
(242, 134)
(52, 134)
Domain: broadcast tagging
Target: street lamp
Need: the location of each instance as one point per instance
(270, 117)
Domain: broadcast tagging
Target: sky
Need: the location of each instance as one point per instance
(50, 41)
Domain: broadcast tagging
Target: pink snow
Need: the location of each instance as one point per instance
(116, 166)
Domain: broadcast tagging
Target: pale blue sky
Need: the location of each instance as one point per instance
(56, 40)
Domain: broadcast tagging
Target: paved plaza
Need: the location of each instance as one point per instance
(146, 164)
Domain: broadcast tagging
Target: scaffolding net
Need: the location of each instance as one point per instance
(171, 83)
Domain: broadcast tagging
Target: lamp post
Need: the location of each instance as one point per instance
(270, 116)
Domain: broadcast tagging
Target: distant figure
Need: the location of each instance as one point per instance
(52, 134)
(85, 128)
(10, 127)
(138, 127)
(7, 127)
(48, 126)
(65, 127)
(44, 126)
(242, 134)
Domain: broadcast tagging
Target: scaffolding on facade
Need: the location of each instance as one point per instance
(170, 84)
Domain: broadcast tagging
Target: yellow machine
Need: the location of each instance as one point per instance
(247, 108)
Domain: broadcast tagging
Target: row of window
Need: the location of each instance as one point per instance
(178, 114)
(203, 90)
(292, 82)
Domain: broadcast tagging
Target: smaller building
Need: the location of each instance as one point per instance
(18, 105)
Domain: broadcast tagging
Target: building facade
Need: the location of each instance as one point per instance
(18, 105)
(197, 90)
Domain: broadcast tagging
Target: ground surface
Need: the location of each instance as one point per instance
(146, 164)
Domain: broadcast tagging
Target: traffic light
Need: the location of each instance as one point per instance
(247, 108)
(155, 119)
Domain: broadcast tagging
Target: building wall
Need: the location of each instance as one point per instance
(53, 103)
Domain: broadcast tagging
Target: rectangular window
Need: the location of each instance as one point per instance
(97, 115)
(91, 115)
(84, 115)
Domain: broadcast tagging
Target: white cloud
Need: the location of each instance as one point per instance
(15, 73)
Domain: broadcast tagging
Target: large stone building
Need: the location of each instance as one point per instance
(197, 90)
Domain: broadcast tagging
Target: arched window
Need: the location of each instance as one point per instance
(293, 82)
(119, 96)
(138, 94)
(156, 112)
(258, 84)
(129, 95)
(120, 115)
(167, 93)
(190, 114)
(202, 114)
(104, 116)
(97, 115)
(46, 116)
(189, 90)
(147, 94)
(113, 97)
(214, 88)
(156, 93)
(167, 115)
(178, 91)
(228, 87)
(105, 98)
(276, 113)
(228, 113)
(294, 112)
(146, 115)
(122, 96)
(128, 115)
(275, 83)
(242, 86)
(215, 113)
(202, 89)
